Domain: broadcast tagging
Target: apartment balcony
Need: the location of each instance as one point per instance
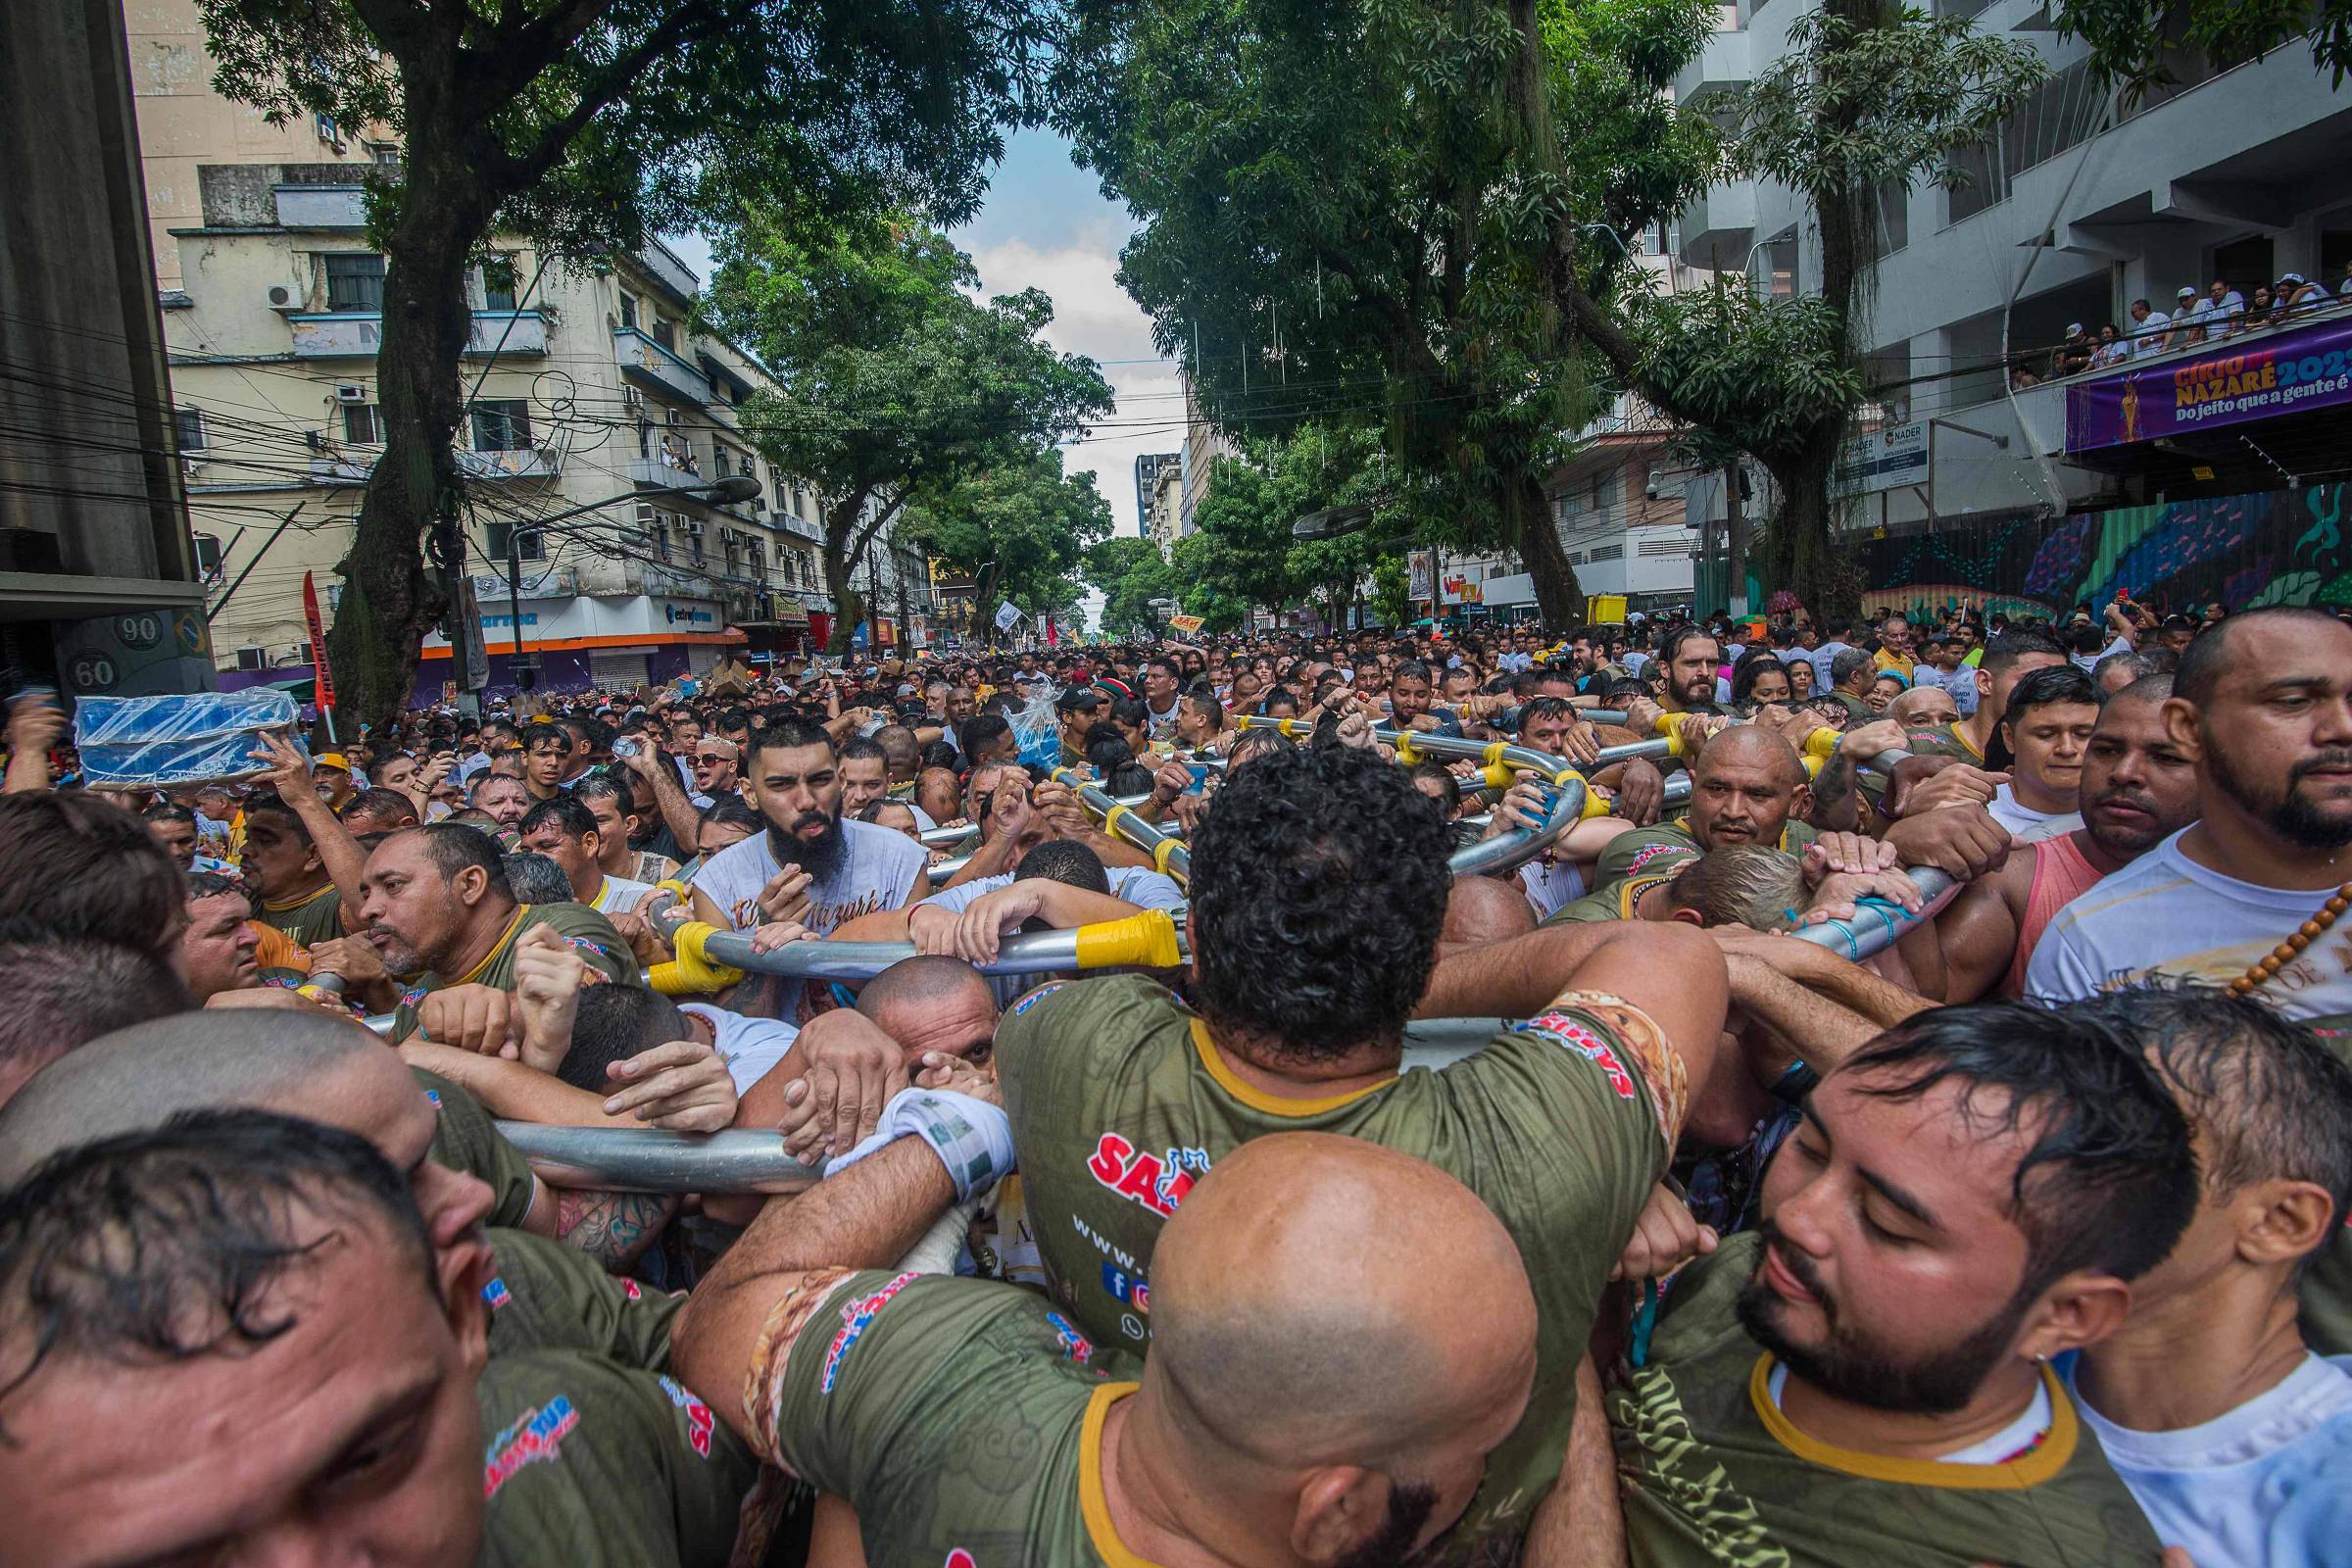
(523, 464)
(322, 206)
(662, 266)
(359, 334)
(1723, 64)
(660, 474)
(651, 366)
(792, 522)
(1722, 222)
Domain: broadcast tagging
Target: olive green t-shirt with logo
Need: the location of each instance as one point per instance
(592, 1464)
(1713, 1474)
(963, 1419)
(590, 934)
(1120, 1101)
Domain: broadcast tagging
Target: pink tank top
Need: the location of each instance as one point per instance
(2061, 875)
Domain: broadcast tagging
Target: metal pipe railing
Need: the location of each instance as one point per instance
(1149, 939)
(1167, 851)
(647, 1159)
(1571, 803)
(1878, 923)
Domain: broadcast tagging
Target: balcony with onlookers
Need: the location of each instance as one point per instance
(658, 368)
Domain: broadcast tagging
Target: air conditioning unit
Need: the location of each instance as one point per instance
(350, 392)
(282, 298)
(632, 399)
(694, 528)
(676, 415)
(646, 517)
(253, 656)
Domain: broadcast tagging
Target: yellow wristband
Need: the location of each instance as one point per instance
(1148, 940)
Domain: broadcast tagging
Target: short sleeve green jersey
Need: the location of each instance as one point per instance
(963, 1419)
(1714, 1476)
(1120, 1100)
(590, 934)
(307, 921)
(592, 1464)
(465, 1139)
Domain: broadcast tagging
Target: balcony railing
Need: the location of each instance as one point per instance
(792, 522)
(359, 334)
(653, 365)
(526, 463)
(322, 206)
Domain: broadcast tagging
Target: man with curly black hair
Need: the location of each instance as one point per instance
(1319, 887)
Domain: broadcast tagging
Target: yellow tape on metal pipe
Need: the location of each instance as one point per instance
(1164, 850)
(692, 973)
(1148, 940)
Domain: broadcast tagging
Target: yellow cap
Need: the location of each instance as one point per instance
(330, 760)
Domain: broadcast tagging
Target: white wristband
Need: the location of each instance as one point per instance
(972, 1137)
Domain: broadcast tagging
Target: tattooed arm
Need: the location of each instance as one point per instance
(613, 1228)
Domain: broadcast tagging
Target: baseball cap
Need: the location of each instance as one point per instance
(2186, 294)
(333, 759)
(2291, 277)
(2077, 326)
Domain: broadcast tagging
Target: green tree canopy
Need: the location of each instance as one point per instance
(585, 126)
(1019, 531)
(894, 383)
(1332, 218)
(1131, 573)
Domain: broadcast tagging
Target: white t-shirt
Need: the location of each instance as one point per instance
(2026, 824)
(2263, 1487)
(1549, 887)
(1137, 884)
(2163, 912)
(2147, 337)
(877, 873)
(2030, 1427)
(749, 1047)
(619, 895)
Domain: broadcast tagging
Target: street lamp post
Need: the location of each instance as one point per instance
(724, 493)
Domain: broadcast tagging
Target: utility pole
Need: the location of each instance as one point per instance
(1734, 541)
(526, 669)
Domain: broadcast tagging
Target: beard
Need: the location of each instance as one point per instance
(1847, 1366)
(1409, 1508)
(2125, 843)
(2294, 818)
(819, 857)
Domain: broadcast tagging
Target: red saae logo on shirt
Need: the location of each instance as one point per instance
(1158, 1184)
(1585, 1042)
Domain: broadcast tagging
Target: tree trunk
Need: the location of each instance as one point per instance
(389, 603)
(1802, 552)
(1560, 597)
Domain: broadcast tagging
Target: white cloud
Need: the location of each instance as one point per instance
(1095, 316)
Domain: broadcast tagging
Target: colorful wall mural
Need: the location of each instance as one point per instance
(2279, 547)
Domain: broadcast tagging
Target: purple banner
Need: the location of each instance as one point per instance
(2255, 378)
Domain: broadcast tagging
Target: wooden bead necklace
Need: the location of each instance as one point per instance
(2284, 954)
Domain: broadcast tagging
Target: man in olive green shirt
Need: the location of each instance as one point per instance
(438, 908)
(338, 1364)
(971, 1423)
(1865, 1379)
(1747, 786)
(1319, 886)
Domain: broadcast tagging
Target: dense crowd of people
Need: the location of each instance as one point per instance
(2017, 1239)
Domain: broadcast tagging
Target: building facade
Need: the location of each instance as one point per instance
(585, 390)
(2081, 205)
(99, 591)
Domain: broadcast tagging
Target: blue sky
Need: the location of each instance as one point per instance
(1046, 225)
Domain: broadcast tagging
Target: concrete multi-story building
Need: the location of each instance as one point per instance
(1149, 467)
(584, 389)
(1203, 444)
(99, 590)
(2080, 205)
